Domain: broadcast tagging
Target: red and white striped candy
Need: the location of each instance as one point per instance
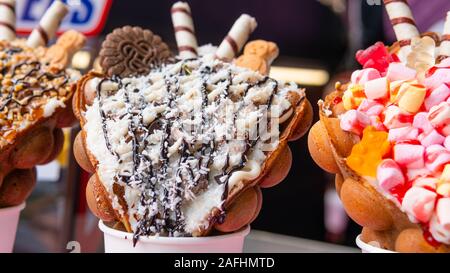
(403, 133)
(364, 75)
(395, 117)
(399, 71)
(389, 174)
(443, 212)
(439, 117)
(422, 123)
(437, 96)
(354, 121)
(436, 156)
(409, 155)
(419, 202)
(371, 107)
(431, 138)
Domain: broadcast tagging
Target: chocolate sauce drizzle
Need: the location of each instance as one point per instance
(23, 97)
(165, 187)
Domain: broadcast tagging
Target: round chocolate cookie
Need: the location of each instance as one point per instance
(132, 51)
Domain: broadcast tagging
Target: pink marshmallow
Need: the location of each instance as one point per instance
(440, 76)
(426, 182)
(447, 143)
(376, 89)
(354, 121)
(375, 121)
(443, 212)
(439, 117)
(394, 117)
(419, 203)
(412, 174)
(436, 156)
(399, 71)
(409, 155)
(422, 123)
(365, 75)
(371, 107)
(403, 133)
(431, 138)
(389, 174)
(437, 96)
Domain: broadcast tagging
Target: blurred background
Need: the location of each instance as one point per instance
(317, 41)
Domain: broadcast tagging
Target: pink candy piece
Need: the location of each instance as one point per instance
(447, 142)
(422, 123)
(403, 133)
(377, 124)
(395, 117)
(436, 156)
(419, 202)
(409, 155)
(371, 107)
(440, 76)
(412, 174)
(399, 71)
(437, 96)
(426, 182)
(365, 75)
(439, 117)
(431, 138)
(389, 174)
(443, 212)
(376, 89)
(354, 121)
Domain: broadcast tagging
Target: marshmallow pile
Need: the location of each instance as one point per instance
(415, 113)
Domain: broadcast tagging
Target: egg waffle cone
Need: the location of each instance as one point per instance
(31, 126)
(292, 129)
(384, 224)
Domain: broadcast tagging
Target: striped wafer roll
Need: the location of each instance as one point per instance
(236, 38)
(444, 50)
(7, 19)
(48, 25)
(403, 23)
(184, 30)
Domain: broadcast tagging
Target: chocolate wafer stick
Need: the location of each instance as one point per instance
(7, 20)
(184, 30)
(236, 38)
(444, 50)
(403, 23)
(48, 25)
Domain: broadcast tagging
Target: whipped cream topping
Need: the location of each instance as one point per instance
(415, 112)
(180, 138)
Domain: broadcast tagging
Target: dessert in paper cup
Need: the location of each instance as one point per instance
(167, 142)
(35, 103)
(385, 135)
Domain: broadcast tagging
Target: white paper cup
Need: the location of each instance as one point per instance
(122, 242)
(9, 219)
(367, 248)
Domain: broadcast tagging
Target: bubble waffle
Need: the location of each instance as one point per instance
(36, 91)
(159, 144)
(386, 131)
